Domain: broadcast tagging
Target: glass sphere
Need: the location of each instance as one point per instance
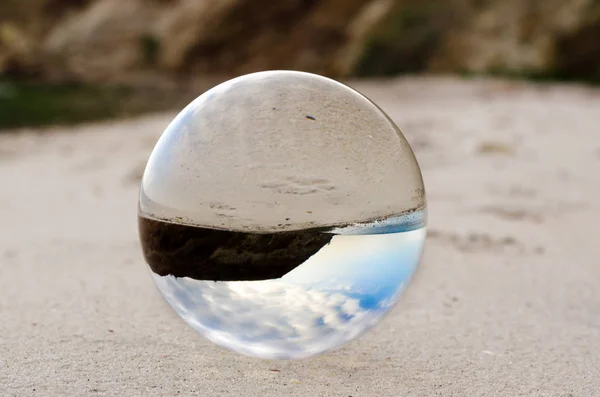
(282, 214)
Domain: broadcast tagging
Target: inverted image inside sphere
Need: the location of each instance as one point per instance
(335, 296)
(279, 151)
(282, 214)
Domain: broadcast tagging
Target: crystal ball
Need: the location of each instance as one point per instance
(282, 214)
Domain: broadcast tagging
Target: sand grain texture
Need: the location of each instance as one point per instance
(507, 302)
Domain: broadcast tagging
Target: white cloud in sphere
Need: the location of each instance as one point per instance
(334, 296)
(272, 318)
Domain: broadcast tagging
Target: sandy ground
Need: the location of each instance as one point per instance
(507, 302)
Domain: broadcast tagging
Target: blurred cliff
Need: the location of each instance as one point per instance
(177, 48)
(116, 40)
(125, 40)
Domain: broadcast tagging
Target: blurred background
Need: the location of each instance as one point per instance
(507, 302)
(67, 61)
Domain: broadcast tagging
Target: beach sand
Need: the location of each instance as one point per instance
(507, 301)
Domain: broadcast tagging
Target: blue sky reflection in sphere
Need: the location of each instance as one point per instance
(333, 297)
(282, 214)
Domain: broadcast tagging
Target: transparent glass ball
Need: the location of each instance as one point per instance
(282, 214)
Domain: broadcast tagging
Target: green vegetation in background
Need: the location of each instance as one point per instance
(149, 47)
(404, 41)
(27, 104)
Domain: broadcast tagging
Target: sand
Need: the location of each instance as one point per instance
(507, 302)
(280, 151)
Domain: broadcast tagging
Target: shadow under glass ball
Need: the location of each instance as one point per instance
(282, 214)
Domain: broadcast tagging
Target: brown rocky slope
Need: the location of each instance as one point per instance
(113, 40)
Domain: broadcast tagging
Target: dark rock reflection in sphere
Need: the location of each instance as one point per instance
(282, 214)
